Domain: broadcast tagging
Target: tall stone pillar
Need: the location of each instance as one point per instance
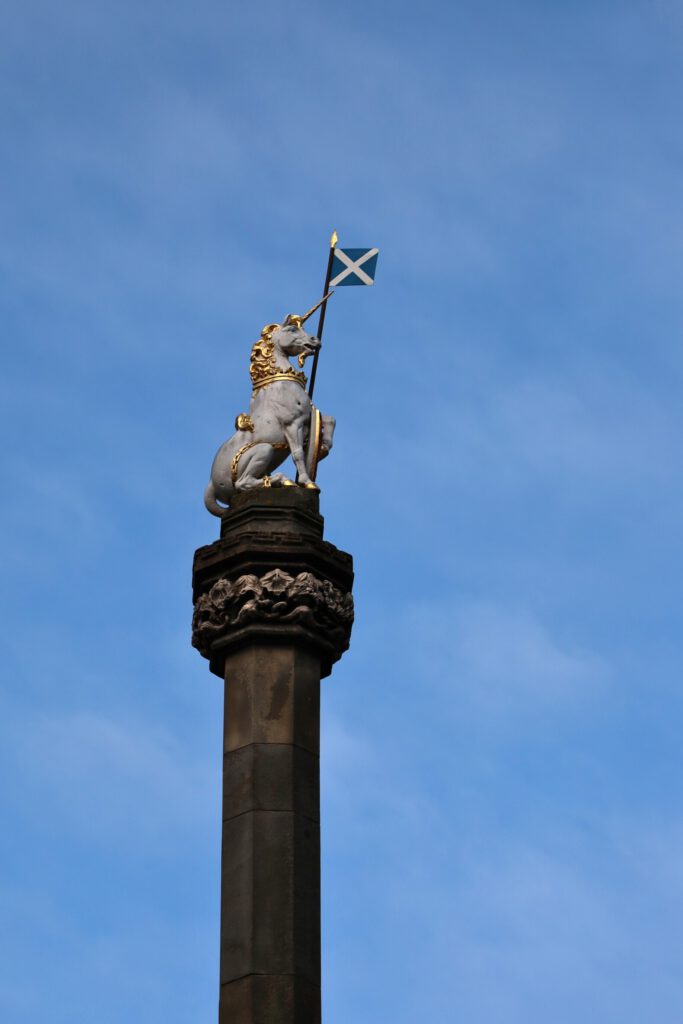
(273, 612)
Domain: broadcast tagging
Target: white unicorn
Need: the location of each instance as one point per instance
(281, 421)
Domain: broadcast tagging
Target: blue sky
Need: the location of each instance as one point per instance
(502, 810)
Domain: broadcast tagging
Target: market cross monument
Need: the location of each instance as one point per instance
(273, 612)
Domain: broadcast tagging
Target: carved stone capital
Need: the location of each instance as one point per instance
(271, 578)
(274, 599)
(267, 605)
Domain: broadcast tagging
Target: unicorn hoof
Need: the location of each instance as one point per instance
(311, 487)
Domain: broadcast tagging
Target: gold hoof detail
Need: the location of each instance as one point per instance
(311, 487)
(288, 483)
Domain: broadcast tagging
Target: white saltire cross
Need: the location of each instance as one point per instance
(353, 267)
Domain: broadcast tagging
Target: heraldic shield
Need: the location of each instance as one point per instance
(314, 450)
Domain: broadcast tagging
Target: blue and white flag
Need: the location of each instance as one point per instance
(353, 266)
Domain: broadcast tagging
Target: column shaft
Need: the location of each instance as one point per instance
(270, 883)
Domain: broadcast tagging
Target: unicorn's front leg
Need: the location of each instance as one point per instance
(294, 435)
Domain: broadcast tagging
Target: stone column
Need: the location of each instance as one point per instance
(273, 612)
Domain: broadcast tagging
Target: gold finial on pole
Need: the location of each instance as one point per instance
(334, 239)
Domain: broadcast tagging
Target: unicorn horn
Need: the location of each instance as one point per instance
(305, 317)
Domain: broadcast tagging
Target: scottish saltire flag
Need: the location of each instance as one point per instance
(353, 266)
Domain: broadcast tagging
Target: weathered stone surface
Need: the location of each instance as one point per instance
(276, 528)
(270, 891)
(271, 777)
(272, 695)
(270, 1000)
(270, 896)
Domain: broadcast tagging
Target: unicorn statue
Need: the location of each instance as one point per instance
(281, 420)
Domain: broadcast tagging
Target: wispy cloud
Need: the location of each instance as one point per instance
(82, 966)
(501, 660)
(107, 778)
(567, 921)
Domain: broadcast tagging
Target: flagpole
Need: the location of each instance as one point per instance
(321, 322)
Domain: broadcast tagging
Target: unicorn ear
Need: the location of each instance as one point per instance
(268, 330)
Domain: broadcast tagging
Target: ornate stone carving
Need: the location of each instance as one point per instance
(276, 598)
